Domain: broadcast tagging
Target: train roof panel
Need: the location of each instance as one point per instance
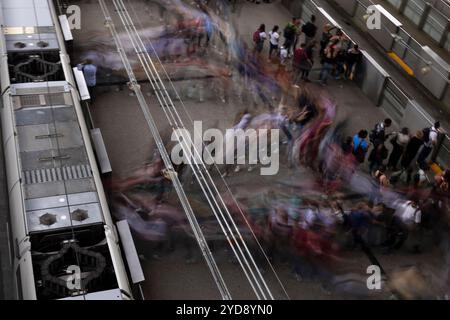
(57, 179)
(26, 13)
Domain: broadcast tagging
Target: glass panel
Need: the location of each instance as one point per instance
(414, 10)
(435, 25)
(447, 43)
(394, 101)
(395, 3)
(306, 11)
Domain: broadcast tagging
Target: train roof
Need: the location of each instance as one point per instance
(59, 190)
(26, 13)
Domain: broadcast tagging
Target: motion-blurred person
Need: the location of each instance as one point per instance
(382, 182)
(90, 75)
(359, 221)
(442, 180)
(303, 62)
(243, 120)
(347, 145)
(282, 231)
(407, 218)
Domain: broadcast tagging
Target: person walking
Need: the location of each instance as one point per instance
(304, 62)
(299, 55)
(310, 59)
(90, 75)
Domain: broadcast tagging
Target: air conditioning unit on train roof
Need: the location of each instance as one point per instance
(32, 42)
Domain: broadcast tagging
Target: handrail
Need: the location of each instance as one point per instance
(391, 81)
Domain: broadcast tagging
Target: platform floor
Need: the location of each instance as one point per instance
(129, 145)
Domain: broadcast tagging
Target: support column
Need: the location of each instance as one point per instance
(424, 16)
(403, 6)
(445, 35)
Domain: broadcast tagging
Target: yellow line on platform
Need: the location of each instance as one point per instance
(402, 63)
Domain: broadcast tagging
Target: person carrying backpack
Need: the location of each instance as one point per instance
(310, 30)
(302, 62)
(378, 134)
(360, 146)
(258, 38)
(430, 136)
(290, 33)
(399, 143)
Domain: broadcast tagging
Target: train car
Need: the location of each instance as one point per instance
(63, 241)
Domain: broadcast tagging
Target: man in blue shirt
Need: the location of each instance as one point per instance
(90, 75)
(360, 145)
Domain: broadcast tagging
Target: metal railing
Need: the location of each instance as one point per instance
(394, 100)
(431, 17)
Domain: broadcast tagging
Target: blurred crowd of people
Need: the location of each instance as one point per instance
(339, 57)
(395, 205)
(339, 208)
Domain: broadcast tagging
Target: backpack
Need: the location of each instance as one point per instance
(256, 37)
(309, 29)
(289, 31)
(359, 152)
(299, 55)
(376, 136)
(426, 134)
